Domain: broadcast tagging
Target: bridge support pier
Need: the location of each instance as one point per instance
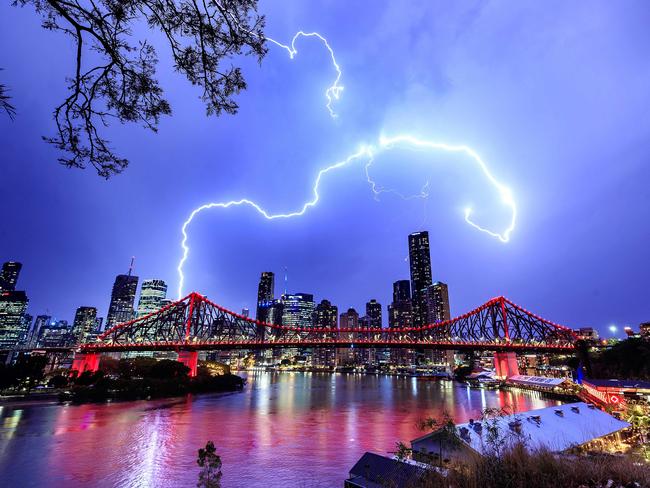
(189, 359)
(85, 361)
(505, 364)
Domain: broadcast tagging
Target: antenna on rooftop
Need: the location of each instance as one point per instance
(131, 265)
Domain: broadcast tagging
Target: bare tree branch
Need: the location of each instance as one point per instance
(5, 103)
(115, 78)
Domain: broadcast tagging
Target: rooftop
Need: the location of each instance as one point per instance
(376, 471)
(635, 384)
(537, 380)
(556, 428)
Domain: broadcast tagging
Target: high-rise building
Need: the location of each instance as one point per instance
(437, 299)
(265, 293)
(400, 312)
(9, 275)
(400, 315)
(373, 312)
(401, 291)
(122, 299)
(265, 296)
(420, 266)
(349, 319)
(56, 333)
(152, 296)
(85, 323)
(40, 323)
(298, 310)
(325, 317)
(13, 305)
(245, 312)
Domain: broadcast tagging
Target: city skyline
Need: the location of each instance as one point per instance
(568, 247)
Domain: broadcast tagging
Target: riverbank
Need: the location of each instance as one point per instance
(150, 388)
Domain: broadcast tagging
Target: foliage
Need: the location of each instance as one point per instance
(26, 372)
(402, 452)
(461, 372)
(5, 103)
(518, 467)
(115, 75)
(57, 381)
(141, 378)
(626, 359)
(210, 463)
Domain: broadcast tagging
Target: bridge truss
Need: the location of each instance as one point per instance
(196, 323)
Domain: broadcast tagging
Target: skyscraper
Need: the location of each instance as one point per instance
(373, 312)
(152, 296)
(298, 309)
(401, 291)
(325, 317)
(349, 319)
(13, 305)
(85, 322)
(9, 275)
(265, 296)
(122, 299)
(41, 322)
(437, 298)
(420, 264)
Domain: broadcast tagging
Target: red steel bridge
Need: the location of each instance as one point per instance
(195, 323)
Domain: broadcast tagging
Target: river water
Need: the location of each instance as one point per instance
(284, 429)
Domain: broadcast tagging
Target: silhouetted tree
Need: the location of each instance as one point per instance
(117, 81)
(210, 462)
(5, 103)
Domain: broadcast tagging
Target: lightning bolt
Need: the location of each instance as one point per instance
(333, 92)
(366, 152)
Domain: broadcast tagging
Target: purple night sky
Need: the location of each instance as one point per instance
(554, 96)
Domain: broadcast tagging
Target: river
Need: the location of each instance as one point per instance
(284, 429)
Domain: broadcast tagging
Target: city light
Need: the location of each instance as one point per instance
(613, 329)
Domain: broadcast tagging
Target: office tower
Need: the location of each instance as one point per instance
(297, 310)
(265, 296)
(9, 275)
(400, 315)
(420, 264)
(245, 312)
(56, 333)
(40, 323)
(400, 312)
(437, 298)
(122, 299)
(347, 320)
(373, 312)
(84, 324)
(325, 317)
(13, 327)
(152, 296)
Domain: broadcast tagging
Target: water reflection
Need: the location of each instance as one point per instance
(284, 429)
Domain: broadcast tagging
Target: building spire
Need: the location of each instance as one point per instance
(131, 265)
(286, 279)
